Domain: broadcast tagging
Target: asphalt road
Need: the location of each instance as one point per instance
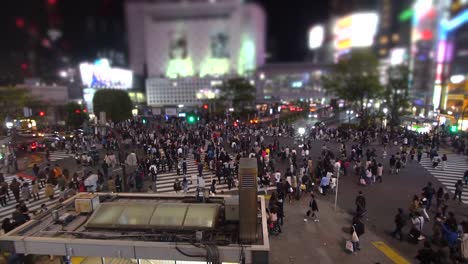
(382, 199)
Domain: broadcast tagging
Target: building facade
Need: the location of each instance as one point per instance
(195, 38)
(289, 81)
(189, 92)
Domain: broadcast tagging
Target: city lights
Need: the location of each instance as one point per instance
(356, 30)
(406, 15)
(457, 78)
(316, 37)
(397, 56)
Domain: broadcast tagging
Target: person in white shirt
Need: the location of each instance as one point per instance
(337, 167)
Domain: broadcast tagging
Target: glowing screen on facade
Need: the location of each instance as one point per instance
(355, 30)
(101, 75)
(316, 36)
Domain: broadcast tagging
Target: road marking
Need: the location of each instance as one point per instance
(390, 253)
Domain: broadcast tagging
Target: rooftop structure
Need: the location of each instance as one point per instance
(143, 227)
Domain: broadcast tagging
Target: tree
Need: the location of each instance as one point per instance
(355, 79)
(239, 94)
(75, 115)
(12, 102)
(396, 94)
(115, 103)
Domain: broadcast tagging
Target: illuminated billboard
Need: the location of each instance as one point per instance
(355, 30)
(316, 36)
(101, 75)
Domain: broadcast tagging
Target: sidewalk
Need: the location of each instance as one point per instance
(323, 242)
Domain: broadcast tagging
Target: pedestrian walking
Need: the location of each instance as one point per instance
(444, 161)
(379, 172)
(392, 164)
(428, 192)
(418, 223)
(15, 189)
(313, 210)
(213, 187)
(35, 190)
(398, 165)
(177, 186)
(399, 224)
(458, 191)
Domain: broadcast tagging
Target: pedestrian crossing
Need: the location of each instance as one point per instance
(456, 167)
(165, 181)
(59, 155)
(31, 204)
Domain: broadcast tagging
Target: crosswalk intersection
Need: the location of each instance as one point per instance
(456, 167)
(59, 155)
(165, 181)
(31, 204)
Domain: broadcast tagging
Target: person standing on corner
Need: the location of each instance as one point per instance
(399, 224)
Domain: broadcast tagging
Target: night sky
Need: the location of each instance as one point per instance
(287, 24)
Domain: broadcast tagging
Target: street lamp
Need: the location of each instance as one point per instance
(385, 111)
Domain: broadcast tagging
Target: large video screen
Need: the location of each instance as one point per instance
(101, 75)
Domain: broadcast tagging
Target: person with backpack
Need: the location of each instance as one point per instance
(313, 209)
(418, 223)
(400, 222)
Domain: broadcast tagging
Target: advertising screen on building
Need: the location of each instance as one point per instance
(316, 36)
(101, 75)
(355, 30)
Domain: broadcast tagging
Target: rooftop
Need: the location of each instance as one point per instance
(138, 226)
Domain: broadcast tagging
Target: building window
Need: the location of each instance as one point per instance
(395, 38)
(382, 52)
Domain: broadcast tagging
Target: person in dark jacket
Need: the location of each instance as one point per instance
(426, 254)
(399, 224)
(313, 209)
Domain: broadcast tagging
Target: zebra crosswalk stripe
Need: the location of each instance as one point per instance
(32, 204)
(455, 170)
(59, 155)
(165, 181)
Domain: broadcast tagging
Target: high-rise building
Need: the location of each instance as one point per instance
(194, 38)
(196, 42)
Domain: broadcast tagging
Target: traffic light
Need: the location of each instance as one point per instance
(41, 113)
(454, 129)
(191, 119)
(205, 106)
(144, 121)
(236, 124)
